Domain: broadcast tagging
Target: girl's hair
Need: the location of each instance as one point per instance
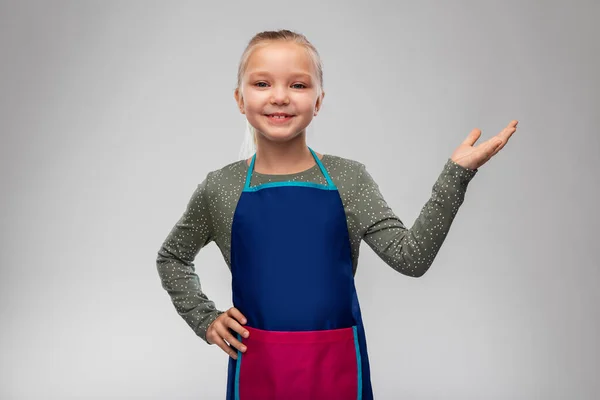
(260, 40)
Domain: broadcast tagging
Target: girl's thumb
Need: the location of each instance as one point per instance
(472, 137)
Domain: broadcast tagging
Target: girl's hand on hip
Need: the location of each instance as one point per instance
(471, 157)
(218, 332)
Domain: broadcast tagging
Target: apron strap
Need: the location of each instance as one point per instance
(249, 173)
(323, 170)
(330, 183)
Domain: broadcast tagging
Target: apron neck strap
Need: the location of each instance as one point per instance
(319, 163)
(322, 168)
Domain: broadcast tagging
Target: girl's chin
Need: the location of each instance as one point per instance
(280, 138)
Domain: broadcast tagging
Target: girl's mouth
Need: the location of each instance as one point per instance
(279, 119)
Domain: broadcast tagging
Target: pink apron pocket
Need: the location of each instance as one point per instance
(299, 365)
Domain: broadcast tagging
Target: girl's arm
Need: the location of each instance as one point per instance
(411, 251)
(175, 263)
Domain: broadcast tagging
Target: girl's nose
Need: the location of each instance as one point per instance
(279, 96)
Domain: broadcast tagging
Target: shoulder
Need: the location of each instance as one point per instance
(347, 174)
(228, 171)
(226, 178)
(337, 165)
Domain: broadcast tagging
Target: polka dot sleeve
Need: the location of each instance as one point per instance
(175, 263)
(410, 251)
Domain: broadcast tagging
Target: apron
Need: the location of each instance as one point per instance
(292, 279)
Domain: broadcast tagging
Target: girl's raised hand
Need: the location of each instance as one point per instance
(218, 332)
(471, 157)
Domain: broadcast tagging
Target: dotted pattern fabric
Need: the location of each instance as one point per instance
(209, 214)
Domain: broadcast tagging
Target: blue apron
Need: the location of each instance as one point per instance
(291, 266)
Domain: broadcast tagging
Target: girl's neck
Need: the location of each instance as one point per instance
(282, 158)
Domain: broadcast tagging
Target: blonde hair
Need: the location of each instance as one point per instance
(262, 39)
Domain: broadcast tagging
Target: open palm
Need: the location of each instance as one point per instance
(473, 157)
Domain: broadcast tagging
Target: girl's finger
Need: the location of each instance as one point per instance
(492, 147)
(226, 334)
(235, 313)
(226, 348)
(498, 148)
(489, 145)
(236, 327)
(472, 137)
(507, 132)
(487, 149)
(505, 135)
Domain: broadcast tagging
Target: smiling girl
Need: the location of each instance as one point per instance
(289, 222)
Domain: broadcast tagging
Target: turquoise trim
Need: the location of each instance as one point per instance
(330, 185)
(237, 371)
(289, 183)
(358, 362)
(249, 173)
(322, 168)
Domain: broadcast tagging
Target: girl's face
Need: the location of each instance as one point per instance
(279, 78)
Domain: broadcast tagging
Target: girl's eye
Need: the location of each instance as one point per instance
(295, 84)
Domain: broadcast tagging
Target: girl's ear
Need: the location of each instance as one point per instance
(239, 100)
(319, 103)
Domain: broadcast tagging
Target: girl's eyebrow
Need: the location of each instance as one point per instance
(295, 74)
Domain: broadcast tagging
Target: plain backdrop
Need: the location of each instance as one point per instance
(111, 112)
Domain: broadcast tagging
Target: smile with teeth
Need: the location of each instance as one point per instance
(279, 118)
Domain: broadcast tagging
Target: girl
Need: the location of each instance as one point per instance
(289, 222)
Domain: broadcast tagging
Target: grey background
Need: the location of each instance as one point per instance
(112, 112)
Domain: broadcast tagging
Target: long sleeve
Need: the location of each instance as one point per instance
(175, 263)
(411, 251)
